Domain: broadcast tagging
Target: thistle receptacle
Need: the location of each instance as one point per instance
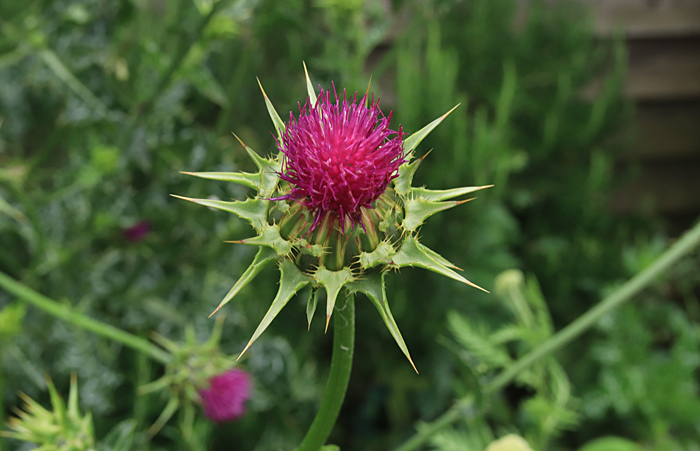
(335, 207)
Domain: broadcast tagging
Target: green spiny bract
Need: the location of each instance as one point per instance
(344, 236)
(62, 429)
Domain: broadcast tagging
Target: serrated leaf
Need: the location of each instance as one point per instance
(475, 339)
(412, 253)
(309, 87)
(291, 280)
(418, 210)
(380, 256)
(311, 304)
(372, 285)
(241, 178)
(414, 139)
(402, 183)
(276, 120)
(439, 195)
(264, 256)
(332, 281)
(270, 237)
(253, 210)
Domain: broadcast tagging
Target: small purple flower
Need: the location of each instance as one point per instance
(339, 157)
(225, 398)
(137, 232)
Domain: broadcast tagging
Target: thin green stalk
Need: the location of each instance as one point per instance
(689, 241)
(337, 385)
(67, 314)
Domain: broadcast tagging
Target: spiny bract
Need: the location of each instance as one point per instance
(325, 209)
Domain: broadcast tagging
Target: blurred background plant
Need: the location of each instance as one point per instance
(103, 103)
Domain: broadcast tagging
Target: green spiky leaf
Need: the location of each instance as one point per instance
(414, 139)
(413, 253)
(440, 195)
(311, 304)
(276, 121)
(253, 210)
(418, 210)
(402, 183)
(379, 256)
(291, 281)
(310, 87)
(270, 237)
(332, 281)
(264, 256)
(372, 285)
(268, 175)
(241, 178)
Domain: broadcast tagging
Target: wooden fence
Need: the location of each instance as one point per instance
(663, 39)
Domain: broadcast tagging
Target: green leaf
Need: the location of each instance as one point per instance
(264, 256)
(414, 139)
(310, 87)
(242, 178)
(291, 280)
(311, 304)
(379, 256)
(412, 253)
(253, 210)
(417, 210)
(270, 237)
(402, 183)
(373, 286)
(438, 195)
(276, 121)
(475, 339)
(332, 281)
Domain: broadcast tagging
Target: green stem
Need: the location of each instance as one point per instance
(689, 241)
(337, 385)
(67, 314)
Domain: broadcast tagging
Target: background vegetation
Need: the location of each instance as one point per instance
(102, 104)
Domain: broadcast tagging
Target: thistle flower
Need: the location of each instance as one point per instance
(224, 399)
(335, 207)
(339, 158)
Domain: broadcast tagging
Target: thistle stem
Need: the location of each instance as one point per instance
(337, 385)
(68, 314)
(685, 244)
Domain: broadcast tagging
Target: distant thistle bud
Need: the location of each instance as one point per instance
(224, 400)
(326, 210)
(200, 374)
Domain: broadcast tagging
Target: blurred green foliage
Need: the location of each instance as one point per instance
(103, 103)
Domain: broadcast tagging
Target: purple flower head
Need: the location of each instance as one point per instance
(137, 232)
(225, 398)
(339, 157)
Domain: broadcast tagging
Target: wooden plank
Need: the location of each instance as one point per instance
(668, 188)
(663, 69)
(646, 19)
(667, 131)
(659, 70)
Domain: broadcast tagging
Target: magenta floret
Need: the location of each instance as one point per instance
(339, 157)
(225, 398)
